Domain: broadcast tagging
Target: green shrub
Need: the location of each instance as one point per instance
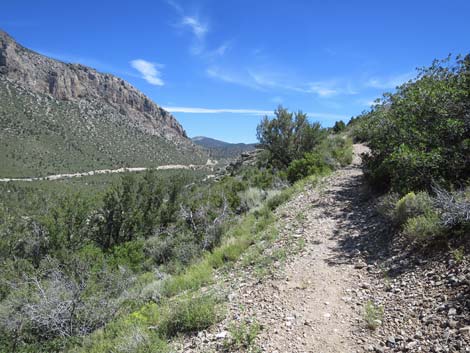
(420, 135)
(413, 205)
(277, 199)
(386, 205)
(373, 315)
(311, 164)
(336, 151)
(193, 278)
(242, 335)
(288, 136)
(188, 314)
(251, 198)
(424, 226)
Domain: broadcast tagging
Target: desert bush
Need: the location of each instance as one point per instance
(413, 205)
(243, 335)
(188, 314)
(373, 315)
(311, 164)
(288, 136)
(251, 198)
(420, 135)
(454, 207)
(424, 226)
(386, 205)
(336, 151)
(135, 338)
(57, 301)
(192, 278)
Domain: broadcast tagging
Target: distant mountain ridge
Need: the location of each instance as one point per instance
(97, 119)
(221, 149)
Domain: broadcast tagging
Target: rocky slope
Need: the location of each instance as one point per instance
(47, 105)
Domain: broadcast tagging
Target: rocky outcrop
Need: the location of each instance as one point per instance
(75, 82)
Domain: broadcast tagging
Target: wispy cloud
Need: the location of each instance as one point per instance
(219, 51)
(198, 28)
(194, 110)
(254, 112)
(149, 71)
(333, 87)
(280, 81)
(390, 81)
(232, 77)
(322, 90)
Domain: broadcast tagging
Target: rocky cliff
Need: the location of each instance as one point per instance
(60, 118)
(75, 82)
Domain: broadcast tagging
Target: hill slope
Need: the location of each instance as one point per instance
(58, 117)
(220, 149)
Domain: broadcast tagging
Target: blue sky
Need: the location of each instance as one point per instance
(219, 66)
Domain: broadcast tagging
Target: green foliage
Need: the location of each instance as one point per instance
(373, 315)
(418, 216)
(311, 164)
(133, 209)
(329, 154)
(421, 134)
(413, 205)
(243, 335)
(193, 278)
(424, 226)
(188, 314)
(339, 126)
(458, 254)
(288, 136)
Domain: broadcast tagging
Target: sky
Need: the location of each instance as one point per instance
(220, 65)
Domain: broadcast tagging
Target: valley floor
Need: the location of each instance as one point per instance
(108, 171)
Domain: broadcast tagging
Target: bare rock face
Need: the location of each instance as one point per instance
(74, 82)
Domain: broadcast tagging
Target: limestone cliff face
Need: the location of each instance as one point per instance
(75, 82)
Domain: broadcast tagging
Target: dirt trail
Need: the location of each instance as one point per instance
(311, 308)
(314, 301)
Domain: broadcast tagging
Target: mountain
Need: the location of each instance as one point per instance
(60, 117)
(222, 150)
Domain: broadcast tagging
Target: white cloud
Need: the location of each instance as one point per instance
(276, 80)
(256, 112)
(198, 28)
(194, 110)
(220, 50)
(321, 90)
(390, 82)
(149, 71)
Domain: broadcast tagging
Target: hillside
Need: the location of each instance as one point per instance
(59, 117)
(220, 149)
